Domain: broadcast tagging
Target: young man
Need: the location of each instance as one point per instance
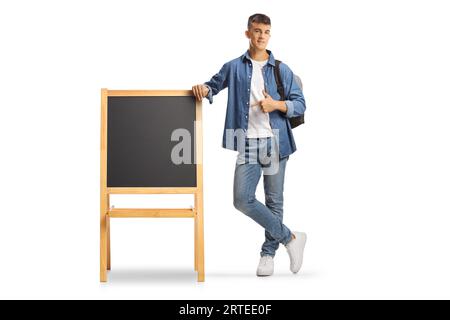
(257, 126)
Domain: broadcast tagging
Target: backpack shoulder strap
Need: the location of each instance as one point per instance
(277, 74)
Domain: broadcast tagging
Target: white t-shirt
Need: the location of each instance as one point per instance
(258, 121)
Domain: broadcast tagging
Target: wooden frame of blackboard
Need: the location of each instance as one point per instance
(106, 212)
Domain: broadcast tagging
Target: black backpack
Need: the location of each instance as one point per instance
(298, 120)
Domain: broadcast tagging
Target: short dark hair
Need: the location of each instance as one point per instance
(258, 18)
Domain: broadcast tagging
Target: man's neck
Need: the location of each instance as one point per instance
(258, 55)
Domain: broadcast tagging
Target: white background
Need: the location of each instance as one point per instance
(369, 183)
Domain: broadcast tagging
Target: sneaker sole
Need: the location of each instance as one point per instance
(263, 274)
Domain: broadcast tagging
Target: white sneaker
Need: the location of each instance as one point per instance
(265, 267)
(295, 250)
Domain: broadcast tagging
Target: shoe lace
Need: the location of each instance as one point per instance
(265, 259)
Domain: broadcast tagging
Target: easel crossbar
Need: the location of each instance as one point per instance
(151, 213)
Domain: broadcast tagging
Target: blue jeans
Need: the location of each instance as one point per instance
(261, 154)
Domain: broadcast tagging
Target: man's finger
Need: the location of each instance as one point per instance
(197, 93)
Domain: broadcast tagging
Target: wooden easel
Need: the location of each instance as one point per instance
(106, 212)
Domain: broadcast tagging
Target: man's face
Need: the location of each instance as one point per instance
(259, 35)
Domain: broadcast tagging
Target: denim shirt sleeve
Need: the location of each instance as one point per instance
(217, 83)
(295, 101)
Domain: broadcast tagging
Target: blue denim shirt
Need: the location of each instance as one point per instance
(236, 75)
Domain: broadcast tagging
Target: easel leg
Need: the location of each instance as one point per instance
(108, 242)
(195, 243)
(200, 255)
(108, 237)
(103, 248)
(103, 238)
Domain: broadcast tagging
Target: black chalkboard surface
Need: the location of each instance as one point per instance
(140, 145)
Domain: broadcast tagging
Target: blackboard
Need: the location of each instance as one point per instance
(139, 141)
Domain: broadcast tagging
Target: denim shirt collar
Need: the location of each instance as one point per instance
(271, 61)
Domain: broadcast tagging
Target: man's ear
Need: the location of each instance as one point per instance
(247, 34)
